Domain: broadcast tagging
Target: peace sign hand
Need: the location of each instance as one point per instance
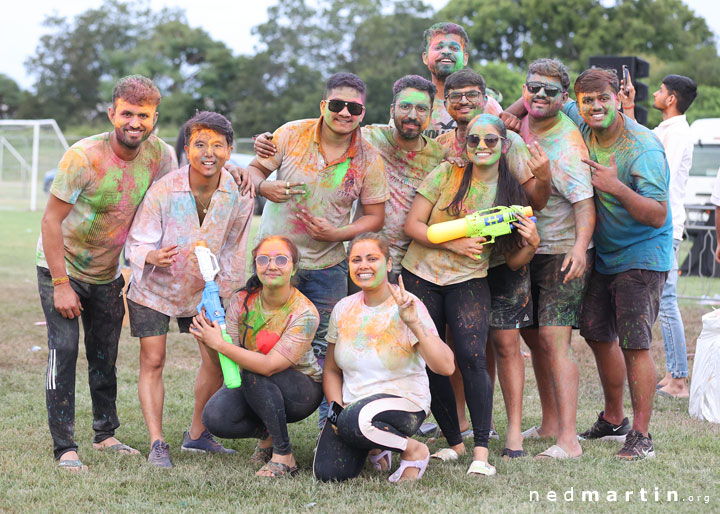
(406, 303)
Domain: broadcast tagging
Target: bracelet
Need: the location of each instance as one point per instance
(60, 280)
(628, 107)
(258, 186)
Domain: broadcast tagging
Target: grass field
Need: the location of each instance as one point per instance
(688, 460)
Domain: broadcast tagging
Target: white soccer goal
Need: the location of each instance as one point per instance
(22, 139)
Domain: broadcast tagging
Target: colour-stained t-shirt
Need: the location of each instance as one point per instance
(404, 172)
(437, 265)
(441, 122)
(376, 350)
(570, 182)
(168, 216)
(331, 188)
(288, 330)
(621, 242)
(517, 156)
(105, 192)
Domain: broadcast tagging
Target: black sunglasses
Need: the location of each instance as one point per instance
(353, 108)
(535, 87)
(490, 140)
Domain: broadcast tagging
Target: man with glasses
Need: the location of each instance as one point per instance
(323, 165)
(560, 270)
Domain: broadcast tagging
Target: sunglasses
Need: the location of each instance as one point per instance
(281, 261)
(455, 97)
(490, 140)
(354, 108)
(535, 87)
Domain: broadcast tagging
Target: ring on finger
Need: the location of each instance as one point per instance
(287, 192)
(287, 185)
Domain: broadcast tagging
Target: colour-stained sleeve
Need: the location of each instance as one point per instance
(424, 318)
(715, 198)
(374, 187)
(492, 106)
(146, 231)
(332, 332)
(650, 174)
(72, 175)
(518, 157)
(575, 181)
(232, 257)
(571, 110)
(168, 160)
(281, 139)
(232, 314)
(297, 336)
(432, 185)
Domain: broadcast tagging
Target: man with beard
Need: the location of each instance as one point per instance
(560, 270)
(445, 53)
(101, 180)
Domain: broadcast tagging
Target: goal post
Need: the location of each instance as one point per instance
(35, 157)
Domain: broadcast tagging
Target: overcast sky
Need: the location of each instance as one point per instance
(19, 35)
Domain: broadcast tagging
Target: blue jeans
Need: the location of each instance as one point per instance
(324, 288)
(671, 323)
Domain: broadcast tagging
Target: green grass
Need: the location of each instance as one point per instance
(688, 450)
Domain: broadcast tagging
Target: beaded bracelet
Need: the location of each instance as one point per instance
(60, 280)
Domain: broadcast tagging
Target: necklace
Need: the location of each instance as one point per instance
(204, 206)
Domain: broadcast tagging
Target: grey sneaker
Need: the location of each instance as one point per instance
(606, 431)
(637, 446)
(160, 454)
(205, 443)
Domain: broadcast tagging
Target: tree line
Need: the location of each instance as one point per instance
(78, 60)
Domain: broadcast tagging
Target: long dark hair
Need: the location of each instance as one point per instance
(509, 191)
(253, 284)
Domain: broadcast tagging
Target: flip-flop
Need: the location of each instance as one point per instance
(67, 464)
(420, 464)
(531, 433)
(376, 459)
(554, 452)
(513, 454)
(279, 470)
(480, 467)
(261, 455)
(121, 448)
(445, 455)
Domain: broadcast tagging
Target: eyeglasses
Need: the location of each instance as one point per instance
(456, 96)
(535, 87)
(353, 108)
(405, 108)
(280, 261)
(490, 140)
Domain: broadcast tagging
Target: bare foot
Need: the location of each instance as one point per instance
(570, 445)
(677, 388)
(384, 464)
(415, 451)
(288, 460)
(111, 441)
(665, 380)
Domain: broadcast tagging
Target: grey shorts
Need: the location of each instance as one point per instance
(147, 322)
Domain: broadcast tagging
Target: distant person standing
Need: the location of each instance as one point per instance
(100, 182)
(674, 97)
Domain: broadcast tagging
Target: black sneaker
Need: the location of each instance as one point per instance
(606, 431)
(637, 447)
(160, 454)
(206, 443)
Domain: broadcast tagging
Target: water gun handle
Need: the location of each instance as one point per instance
(230, 368)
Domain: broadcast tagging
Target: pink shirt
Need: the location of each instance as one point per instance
(168, 216)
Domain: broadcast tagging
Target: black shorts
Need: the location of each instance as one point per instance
(511, 305)
(554, 303)
(147, 322)
(622, 307)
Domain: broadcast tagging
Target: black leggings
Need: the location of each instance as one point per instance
(380, 421)
(263, 405)
(465, 308)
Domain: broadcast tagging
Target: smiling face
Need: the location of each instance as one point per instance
(444, 55)
(207, 151)
(463, 110)
(272, 275)
(599, 109)
(540, 105)
(411, 112)
(482, 155)
(133, 123)
(342, 122)
(367, 265)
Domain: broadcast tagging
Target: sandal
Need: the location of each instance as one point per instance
(480, 467)
(420, 464)
(513, 454)
(554, 452)
(118, 447)
(68, 464)
(261, 455)
(376, 460)
(279, 470)
(445, 455)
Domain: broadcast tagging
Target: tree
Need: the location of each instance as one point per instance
(10, 97)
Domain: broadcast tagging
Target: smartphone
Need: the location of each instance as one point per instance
(333, 412)
(626, 79)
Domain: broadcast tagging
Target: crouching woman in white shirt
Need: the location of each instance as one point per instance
(380, 340)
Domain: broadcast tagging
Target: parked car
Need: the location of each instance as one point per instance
(706, 161)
